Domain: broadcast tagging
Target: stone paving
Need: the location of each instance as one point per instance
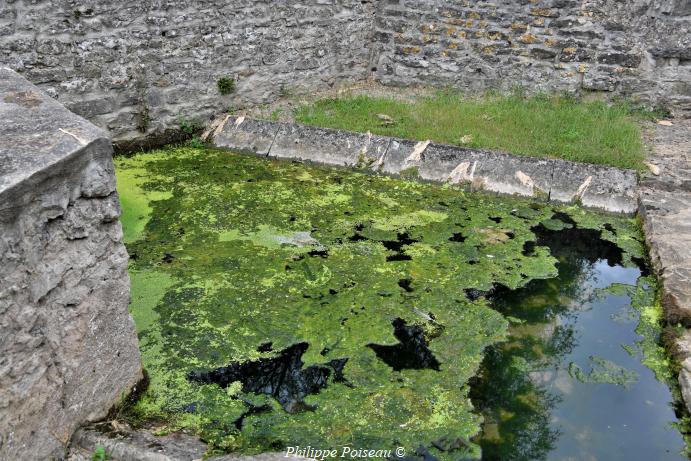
(665, 206)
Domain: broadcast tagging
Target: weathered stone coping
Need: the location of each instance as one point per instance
(594, 186)
(36, 132)
(665, 208)
(125, 444)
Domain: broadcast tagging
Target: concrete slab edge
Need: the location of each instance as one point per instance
(592, 186)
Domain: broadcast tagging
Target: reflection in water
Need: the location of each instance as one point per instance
(566, 385)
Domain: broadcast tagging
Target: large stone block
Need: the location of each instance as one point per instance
(244, 135)
(331, 147)
(68, 349)
(595, 186)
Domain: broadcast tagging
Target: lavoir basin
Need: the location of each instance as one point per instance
(281, 305)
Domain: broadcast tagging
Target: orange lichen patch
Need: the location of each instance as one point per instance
(428, 38)
(527, 38)
(539, 22)
(456, 21)
(519, 26)
(544, 12)
(550, 42)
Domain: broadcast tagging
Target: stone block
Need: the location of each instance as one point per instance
(685, 382)
(486, 170)
(68, 348)
(330, 147)
(400, 156)
(245, 135)
(595, 186)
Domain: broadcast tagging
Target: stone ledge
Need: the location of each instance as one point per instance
(36, 131)
(142, 445)
(594, 186)
(665, 208)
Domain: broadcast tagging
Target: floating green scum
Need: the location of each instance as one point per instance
(281, 304)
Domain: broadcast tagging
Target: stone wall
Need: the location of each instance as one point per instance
(68, 347)
(639, 48)
(136, 67)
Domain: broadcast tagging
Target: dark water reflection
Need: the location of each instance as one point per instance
(534, 408)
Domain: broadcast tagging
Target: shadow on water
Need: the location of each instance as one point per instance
(410, 353)
(282, 377)
(537, 401)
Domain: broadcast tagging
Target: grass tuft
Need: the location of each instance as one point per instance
(542, 126)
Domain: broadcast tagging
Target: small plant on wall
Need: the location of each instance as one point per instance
(226, 85)
(100, 454)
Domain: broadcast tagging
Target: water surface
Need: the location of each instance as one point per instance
(570, 383)
(279, 304)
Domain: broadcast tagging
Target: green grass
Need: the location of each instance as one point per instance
(541, 126)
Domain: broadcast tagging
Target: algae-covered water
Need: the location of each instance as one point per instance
(279, 305)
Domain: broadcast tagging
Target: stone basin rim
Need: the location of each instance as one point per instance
(593, 186)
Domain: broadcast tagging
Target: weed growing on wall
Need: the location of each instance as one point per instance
(226, 85)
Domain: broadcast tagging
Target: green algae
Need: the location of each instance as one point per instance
(233, 252)
(523, 386)
(603, 371)
(646, 308)
(136, 198)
